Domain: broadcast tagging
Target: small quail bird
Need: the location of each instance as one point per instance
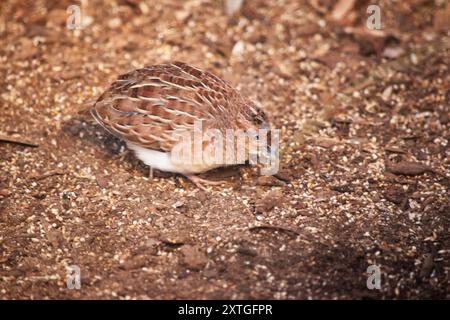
(151, 108)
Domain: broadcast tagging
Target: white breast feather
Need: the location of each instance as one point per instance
(164, 162)
(155, 159)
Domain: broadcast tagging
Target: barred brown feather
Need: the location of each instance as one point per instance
(149, 106)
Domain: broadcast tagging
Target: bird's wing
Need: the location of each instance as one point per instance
(152, 107)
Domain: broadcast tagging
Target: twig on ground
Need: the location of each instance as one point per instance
(17, 140)
(275, 228)
(47, 175)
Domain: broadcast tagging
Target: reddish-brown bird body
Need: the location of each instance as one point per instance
(151, 108)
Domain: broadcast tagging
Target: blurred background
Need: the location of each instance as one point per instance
(360, 92)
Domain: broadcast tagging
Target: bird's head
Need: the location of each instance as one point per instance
(258, 123)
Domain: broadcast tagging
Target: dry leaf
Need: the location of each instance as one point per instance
(325, 142)
(408, 168)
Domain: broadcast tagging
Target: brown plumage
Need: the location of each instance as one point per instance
(151, 108)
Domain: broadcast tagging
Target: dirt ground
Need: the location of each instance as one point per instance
(364, 154)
